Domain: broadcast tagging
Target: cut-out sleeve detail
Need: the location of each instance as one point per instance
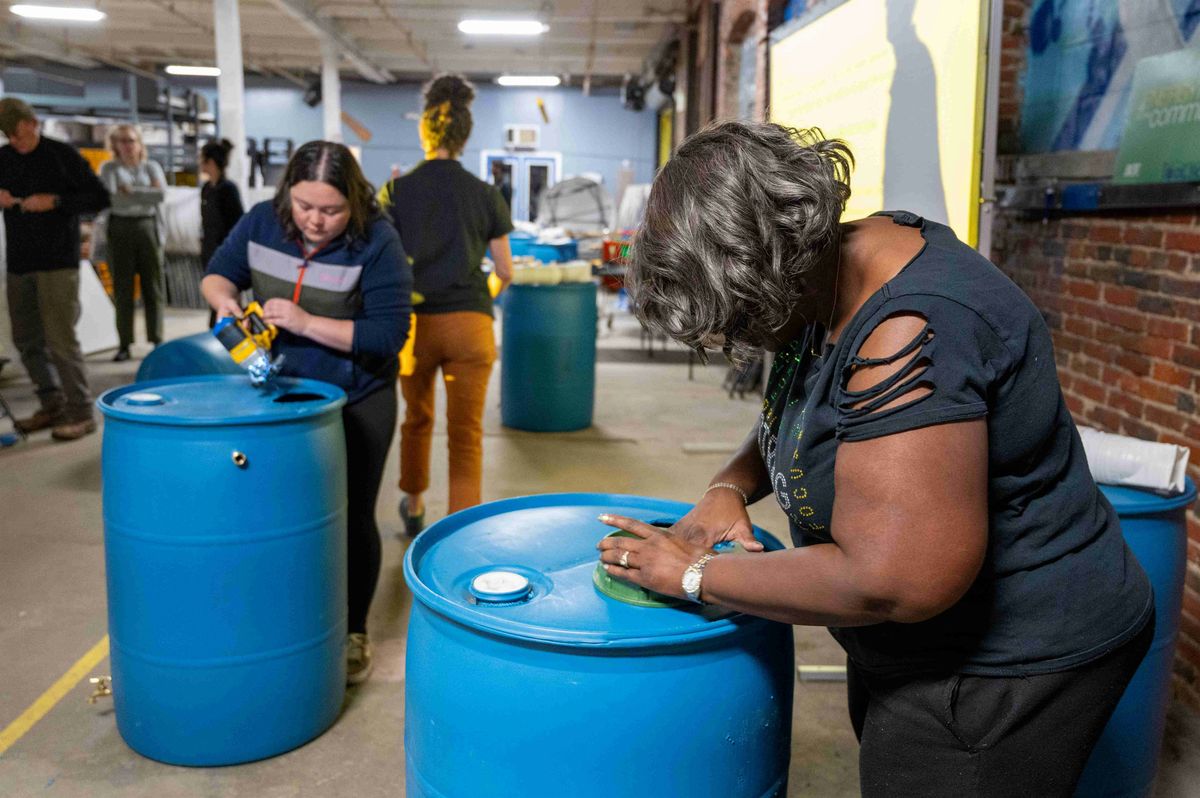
(942, 373)
(902, 383)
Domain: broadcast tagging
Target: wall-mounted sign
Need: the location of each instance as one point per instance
(1161, 142)
(1079, 65)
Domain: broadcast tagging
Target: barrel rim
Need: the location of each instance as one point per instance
(281, 414)
(1133, 502)
(559, 286)
(734, 624)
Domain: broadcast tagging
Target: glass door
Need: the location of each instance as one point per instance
(528, 174)
(540, 174)
(501, 170)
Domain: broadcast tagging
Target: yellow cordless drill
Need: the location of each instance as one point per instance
(249, 340)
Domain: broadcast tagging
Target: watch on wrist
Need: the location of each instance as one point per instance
(692, 577)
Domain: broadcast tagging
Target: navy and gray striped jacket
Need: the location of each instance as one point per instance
(368, 281)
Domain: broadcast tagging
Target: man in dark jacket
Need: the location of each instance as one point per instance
(44, 186)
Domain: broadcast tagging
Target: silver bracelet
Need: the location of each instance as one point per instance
(730, 486)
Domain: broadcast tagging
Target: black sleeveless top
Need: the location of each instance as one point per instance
(1058, 586)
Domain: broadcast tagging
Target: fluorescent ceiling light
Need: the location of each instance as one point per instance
(503, 27)
(529, 80)
(193, 71)
(60, 13)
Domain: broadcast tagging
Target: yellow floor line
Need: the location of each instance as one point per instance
(46, 701)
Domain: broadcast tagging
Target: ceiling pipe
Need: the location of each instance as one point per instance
(305, 13)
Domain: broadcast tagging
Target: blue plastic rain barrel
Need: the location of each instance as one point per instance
(548, 357)
(225, 549)
(1125, 759)
(523, 678)
(189, 356)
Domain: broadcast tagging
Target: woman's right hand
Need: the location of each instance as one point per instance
(719, 516)
(228, 306)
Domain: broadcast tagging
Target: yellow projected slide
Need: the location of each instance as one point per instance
(902, 82)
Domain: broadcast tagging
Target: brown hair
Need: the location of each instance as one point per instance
(333, 164)
(218, 153)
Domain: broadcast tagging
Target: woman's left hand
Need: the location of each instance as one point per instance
(656, 558)
(285, 314)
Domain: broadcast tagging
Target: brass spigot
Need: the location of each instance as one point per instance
(103, 688)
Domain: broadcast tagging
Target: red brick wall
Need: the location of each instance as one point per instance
(735, 14)
(1013, 40)
(1121, 294)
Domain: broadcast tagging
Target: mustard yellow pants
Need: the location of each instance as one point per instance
(463, 346)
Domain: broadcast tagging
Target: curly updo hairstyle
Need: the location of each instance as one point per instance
(735, 223)
(218, 153)
(446, 121)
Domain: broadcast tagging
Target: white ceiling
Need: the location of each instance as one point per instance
(379, 38)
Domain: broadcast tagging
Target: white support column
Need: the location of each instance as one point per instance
(231, 88)
(331, 91)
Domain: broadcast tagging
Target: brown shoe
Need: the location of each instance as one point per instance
(42, 419)
(73, 430)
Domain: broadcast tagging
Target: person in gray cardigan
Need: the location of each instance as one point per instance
(137, 186)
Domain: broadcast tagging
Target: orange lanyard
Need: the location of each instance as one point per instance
(303, 268)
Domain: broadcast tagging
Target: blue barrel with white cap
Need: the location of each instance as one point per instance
(225, 549)
(1125, 760)
(526, 676)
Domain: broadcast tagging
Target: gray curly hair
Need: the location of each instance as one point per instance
(735, 221)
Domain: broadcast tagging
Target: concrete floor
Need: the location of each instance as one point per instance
(52, 600)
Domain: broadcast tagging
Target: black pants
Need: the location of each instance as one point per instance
(370, 424)
(983, 736)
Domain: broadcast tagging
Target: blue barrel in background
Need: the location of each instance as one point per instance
(225, 549)
(523, 679)
(190, 356)
(519, 243)
(1125, 760)
(548, 357)
(554, 253)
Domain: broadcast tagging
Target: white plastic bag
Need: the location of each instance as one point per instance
(1121, 460)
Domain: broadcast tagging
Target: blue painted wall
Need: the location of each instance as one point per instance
(594, 134)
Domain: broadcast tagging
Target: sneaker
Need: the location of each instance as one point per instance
(413, 524)
(121, 356)
(42, 419)
(358, 658)
(73, 430)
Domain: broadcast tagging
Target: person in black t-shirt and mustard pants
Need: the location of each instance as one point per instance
(947, 528)
(447, 219)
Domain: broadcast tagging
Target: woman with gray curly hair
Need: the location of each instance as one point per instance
(946, 526)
